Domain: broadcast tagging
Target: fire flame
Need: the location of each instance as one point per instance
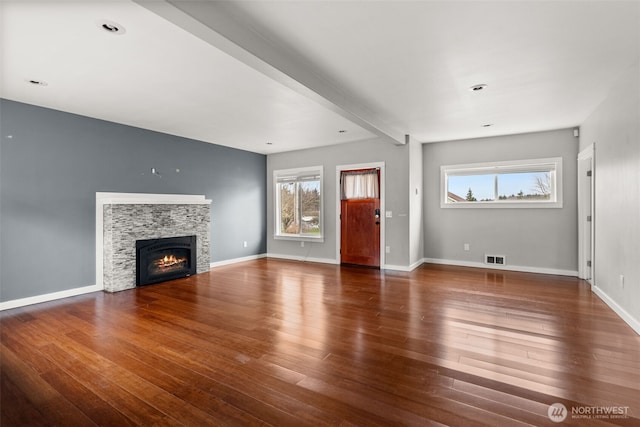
(168, 261)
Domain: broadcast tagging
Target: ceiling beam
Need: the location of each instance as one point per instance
(212, 23)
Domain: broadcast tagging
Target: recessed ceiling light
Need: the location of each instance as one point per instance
(478, 88)
(486, 125)
(342, 131)
(111, 27)
(37, 82)
(269, 143)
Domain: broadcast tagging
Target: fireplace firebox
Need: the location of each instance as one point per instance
(159, 260)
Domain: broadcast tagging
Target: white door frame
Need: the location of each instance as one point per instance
(339, 169)
(586, 207)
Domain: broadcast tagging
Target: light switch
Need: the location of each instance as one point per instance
(388, 214)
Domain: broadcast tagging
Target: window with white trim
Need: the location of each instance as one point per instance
(298, 203)
(535, 183)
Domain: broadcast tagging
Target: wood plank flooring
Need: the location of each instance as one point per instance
(283, 343)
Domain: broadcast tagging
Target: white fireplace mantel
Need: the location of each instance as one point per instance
(103, 199)
(152, 199)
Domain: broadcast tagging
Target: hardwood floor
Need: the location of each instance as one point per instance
(288, 344)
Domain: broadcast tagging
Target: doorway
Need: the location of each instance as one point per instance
(360, 219)
(586, 217)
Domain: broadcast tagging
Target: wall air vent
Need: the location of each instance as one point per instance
(495, 259)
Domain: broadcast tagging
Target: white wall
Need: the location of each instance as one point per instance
(614, 127)
(543, 240)
(396, 160)
(416, 230)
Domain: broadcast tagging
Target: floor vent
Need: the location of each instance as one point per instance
(495, 259)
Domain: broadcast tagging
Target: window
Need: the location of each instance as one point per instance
(360, 184)
(515, 184)
(298, 203)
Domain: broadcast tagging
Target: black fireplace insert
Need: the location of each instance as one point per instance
(159, 260)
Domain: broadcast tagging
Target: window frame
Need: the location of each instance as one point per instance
(552, 164)
(298, 173)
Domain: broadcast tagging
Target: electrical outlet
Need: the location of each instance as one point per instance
(244, 244)
(387, 249)
(621, 280)
(466, 246)
(302, 244)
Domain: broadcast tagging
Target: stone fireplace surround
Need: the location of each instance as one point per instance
(123, 218)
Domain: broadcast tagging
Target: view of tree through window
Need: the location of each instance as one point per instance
(504, 186)
(298, 206)
(503, 183)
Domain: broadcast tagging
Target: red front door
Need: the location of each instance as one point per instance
(360, 232)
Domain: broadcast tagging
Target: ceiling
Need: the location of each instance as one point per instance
(274, 76)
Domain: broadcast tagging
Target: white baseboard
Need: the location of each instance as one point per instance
(393, 267)
(523, 269)
(48, 297)
(403, 267)
(236, 260)
(624, 315)
(303, 258)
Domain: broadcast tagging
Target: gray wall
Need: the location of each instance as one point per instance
(396, 159)
(615, 128)
(533, 238)
(51, 165)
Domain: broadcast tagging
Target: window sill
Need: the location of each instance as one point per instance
(319, 239)
(502, 205)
